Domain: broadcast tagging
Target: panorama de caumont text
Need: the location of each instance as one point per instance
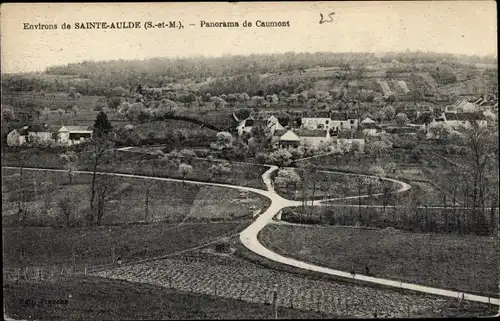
(147, 25)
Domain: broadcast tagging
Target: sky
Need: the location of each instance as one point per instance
(459, 27)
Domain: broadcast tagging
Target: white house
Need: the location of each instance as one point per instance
(313, 137)
(344, 121)
(273, 124)
(17, 137)
(317, 120)
(461, 106)
(246, 125)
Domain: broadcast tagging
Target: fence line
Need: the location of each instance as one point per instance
(331, 302)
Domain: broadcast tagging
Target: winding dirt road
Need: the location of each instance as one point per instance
(250, 240)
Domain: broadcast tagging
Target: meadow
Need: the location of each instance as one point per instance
(129, 200)
(94, 298)
(467, 263)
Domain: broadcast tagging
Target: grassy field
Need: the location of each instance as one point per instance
(331, 185)
(139, 164)
(39, 247)
(462, 263)
(126, 203)
(235, 276)
(92, 298)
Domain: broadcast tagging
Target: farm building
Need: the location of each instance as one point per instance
(461, 106)
(455, 120)
(313, 137)
(58, 134)
(318, 120)
(17, 137)
(246, 125)
(369, 127)
(288, 140)
(344, 121)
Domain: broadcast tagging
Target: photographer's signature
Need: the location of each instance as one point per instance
(330, 17)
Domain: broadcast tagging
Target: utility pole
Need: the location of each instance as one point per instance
(34, 189)
(275, 304)
(147, 204)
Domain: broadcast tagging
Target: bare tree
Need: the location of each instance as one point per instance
(481, 148)
(67, 204)
(22, 160)
(106, 188)
(97, 152)
(70, 161)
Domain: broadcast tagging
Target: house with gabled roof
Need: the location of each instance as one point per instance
(316, 120)
(59, 134)
(285, 138)
(17, 137)
(246, 125)
(313, 137)
(344, 121)
(369, 127)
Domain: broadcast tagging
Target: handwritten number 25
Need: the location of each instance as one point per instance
(322, 20)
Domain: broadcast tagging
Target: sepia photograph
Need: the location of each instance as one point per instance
(250, 160)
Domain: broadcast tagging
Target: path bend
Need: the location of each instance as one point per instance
(250, 240)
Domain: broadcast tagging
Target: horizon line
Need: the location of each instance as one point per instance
(226, 55)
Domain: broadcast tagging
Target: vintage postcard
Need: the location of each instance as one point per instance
(250, 160)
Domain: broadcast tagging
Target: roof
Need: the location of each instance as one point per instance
(450, 116)
(311, 133)
(249, 122)
(79, 128)
(339, 116)
(53, 128)
(352, 115)
(317, 114)
(401, 130)
(272, 118)
(22, 131)
(280, 132)
(370, 126)
(36, 128)
(464, 104)
(346, 134)
(470, 116)
(290, 136)
(367, 120)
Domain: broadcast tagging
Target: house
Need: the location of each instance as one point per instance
(247, 124)
(468, 119)
(275, 138)
(369, 127)
(348, 137)
(455, 120)
(317, 120)
(273, 124)
(289, 140)
(461, 106)
(344, 121)
(313, 137)
(17, 137)
(367, 120)
(59, 134)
